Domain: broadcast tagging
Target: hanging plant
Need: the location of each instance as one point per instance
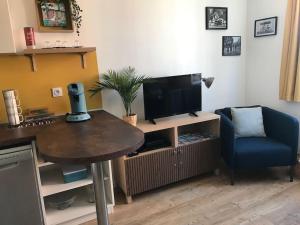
(76, 15)
(75, 12)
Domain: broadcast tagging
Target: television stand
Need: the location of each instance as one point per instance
(152, 121)
(193, 114)
(194, 149)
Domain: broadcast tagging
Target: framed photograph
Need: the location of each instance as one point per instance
(54, 16)
(232, 45)
(265, 27)
(216, 18)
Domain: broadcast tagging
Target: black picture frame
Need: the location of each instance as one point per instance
(208, 16)
(273, 19)
(231, 49)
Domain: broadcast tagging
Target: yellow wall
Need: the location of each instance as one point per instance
(53, 71)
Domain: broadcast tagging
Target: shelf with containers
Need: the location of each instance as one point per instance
(51, 183)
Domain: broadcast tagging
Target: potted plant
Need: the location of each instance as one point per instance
(127, 83)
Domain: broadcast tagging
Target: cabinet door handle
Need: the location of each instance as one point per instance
(175, 164)
(9, 166)
(180, 163)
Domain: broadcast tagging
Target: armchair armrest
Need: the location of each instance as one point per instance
(227, 138)
(282, 127)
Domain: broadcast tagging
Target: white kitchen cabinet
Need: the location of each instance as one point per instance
(7, 44)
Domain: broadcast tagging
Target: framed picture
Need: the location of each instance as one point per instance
(232, 45)
(265, 27)
(216, 18)
(54, 16)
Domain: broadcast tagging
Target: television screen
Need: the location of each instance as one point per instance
(167, 96)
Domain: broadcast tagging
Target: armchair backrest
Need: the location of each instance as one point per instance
(227, 111)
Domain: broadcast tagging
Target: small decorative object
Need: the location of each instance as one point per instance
(58, 15)
(208, 81)
(265, 27)
(127, 83)
(62, 201)
(72, 173)
(90, 193)
(231, 45)
(216, 18)
(29, 37)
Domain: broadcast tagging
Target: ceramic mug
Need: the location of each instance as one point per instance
(15, 119)
(12, 103)
(14, 110)
(11, 98)
(10, 93)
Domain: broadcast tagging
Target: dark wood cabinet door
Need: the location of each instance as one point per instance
(151, 171)
(198, 158)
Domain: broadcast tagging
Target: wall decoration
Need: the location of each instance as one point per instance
(232, 45)
(216, 18)
(265, 27)
(58, 15)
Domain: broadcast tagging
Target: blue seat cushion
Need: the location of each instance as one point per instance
(261, 152)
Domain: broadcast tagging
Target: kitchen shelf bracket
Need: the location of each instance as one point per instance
(31, 53)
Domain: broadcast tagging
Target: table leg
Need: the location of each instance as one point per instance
(101, 206)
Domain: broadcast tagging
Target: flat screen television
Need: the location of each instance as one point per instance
(168, 96)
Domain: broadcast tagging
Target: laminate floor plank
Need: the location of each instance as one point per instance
(258, 198)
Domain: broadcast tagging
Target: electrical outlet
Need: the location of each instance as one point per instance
(57, 92)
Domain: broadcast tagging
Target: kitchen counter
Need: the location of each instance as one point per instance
(17, 136)
(87, 130)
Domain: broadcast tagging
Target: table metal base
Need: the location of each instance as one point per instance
(100, 197)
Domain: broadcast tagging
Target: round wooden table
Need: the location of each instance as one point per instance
(102, 138)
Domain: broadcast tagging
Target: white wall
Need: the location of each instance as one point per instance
(168, 37)
(7, 44)
(264, 58)
(158, 38)
(23, 13)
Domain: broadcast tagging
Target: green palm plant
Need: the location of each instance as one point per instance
(126, 82)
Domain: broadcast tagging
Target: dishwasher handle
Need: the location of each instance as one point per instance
(12, 160)
(9, 166)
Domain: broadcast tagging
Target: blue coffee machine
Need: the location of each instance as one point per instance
(78, 103)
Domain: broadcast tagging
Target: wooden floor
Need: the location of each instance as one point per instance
(261, 198)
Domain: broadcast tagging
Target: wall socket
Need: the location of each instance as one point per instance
(57, 92)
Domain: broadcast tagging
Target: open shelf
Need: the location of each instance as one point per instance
(53, 182)
(8, 54)
(206, 129)
(41, 163)
(81, 210)
(148, 153)
(192, 138)
(43, 51)
(44, 164)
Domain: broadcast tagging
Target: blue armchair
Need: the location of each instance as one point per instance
(279, 148)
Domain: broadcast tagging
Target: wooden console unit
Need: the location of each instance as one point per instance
(179, 161)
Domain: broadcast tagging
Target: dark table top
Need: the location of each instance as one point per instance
(102, 138)
(10, 137)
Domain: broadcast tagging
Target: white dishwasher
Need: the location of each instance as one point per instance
(19, 194)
